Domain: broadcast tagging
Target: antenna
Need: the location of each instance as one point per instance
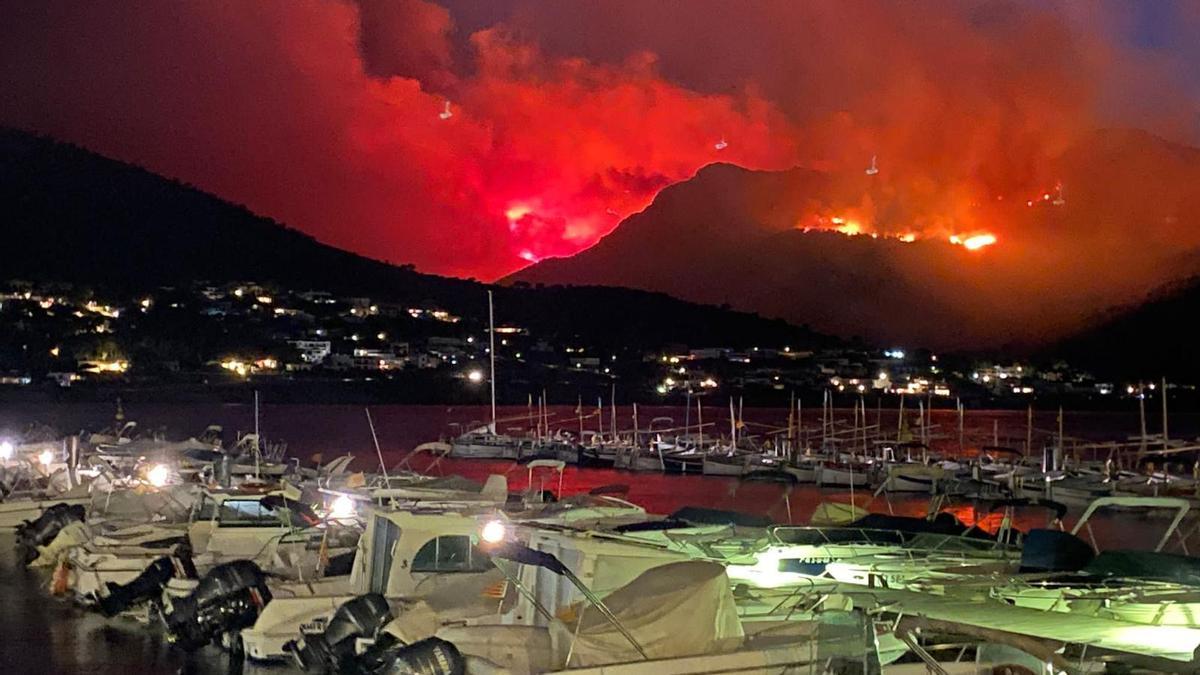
(378, 452)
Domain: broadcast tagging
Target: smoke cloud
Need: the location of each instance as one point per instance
(471, 138)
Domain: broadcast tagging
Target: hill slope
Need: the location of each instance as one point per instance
(71, 215)
(734, 236)
(1145, 340)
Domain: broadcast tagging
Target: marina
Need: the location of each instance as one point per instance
(120, 559)
(599, 337)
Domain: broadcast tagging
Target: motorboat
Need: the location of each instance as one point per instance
(412, 552)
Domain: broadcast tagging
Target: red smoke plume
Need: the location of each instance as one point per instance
(565, 117)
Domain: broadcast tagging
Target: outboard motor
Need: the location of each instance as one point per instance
(334, 649)
(34, 533)
(148, 585)
(389, 656)
(431, 656)
(229, 598)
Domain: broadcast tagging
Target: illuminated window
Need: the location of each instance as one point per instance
(246, 513)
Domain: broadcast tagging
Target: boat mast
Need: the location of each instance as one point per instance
(791, 425)
(1058, 452)
(635, 425)
(1029, 430)
(257, 438)
(492, 353)
(921, 416)
(687, 412)
(1166, 438)
(613, 409)
(961, 414)
(824, 408)
(732, 425)
(799, 422)
(1142, 414)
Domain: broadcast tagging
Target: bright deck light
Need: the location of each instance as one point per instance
(158, 475)
(46, 457)
(475, 376)
(6, 450)
(342, 507)
(493, 532)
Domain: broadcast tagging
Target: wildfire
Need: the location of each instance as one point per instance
(973, 242)
(850, 228)
(854, 227)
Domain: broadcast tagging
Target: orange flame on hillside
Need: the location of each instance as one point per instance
(854, 227)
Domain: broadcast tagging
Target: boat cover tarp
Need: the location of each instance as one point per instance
(678, 609)
(703, 516)
(1048, 550)
(836, 513)
(1180, 569)
(1176, 643)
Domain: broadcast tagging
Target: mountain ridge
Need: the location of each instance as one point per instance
(75, 216)
(736, 236)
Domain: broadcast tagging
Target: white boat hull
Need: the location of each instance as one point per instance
(718, 468)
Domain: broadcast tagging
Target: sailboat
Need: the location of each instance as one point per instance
(485, 442)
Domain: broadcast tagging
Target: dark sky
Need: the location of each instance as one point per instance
(567, 115)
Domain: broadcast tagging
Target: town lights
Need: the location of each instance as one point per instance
(158, 475)
(493, 532)
(342, 507)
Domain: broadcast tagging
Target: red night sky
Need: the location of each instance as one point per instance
(568, 116)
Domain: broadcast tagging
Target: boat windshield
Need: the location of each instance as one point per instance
(818, 536)
(246, 513)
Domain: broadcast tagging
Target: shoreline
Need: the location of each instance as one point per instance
(454, 392)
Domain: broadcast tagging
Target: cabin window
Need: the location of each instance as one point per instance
(246, 513)
(453, 553)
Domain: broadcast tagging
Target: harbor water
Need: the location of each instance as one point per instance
(42, 634)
